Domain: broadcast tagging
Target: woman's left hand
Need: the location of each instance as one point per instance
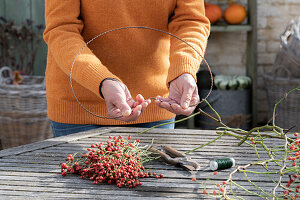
(183, 93)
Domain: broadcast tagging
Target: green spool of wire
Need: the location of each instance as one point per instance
(219, 164)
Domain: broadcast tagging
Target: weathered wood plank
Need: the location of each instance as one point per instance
(52, 195)
(222, 175)
(144, 190)
(51, 142)
(73, 179)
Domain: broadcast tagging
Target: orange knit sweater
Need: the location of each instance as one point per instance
(144, 60)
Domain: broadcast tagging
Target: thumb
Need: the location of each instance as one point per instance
(123, 106)
(186, 97)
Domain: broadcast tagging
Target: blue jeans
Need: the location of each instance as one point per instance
(61, 129)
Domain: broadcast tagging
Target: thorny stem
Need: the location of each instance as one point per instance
(245, 173)
(219, 118)
(284, 165)
(243, 136)
(240, 131)
(180, 120)
(203, 145)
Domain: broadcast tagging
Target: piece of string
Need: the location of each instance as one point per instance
(135, 27)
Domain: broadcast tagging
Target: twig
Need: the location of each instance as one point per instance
(180, 120)
(283, 167)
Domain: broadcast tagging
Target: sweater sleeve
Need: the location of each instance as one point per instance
(190, 24)
(64, 40)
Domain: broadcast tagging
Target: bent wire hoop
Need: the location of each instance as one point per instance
(134, 27)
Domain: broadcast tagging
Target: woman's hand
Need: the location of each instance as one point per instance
(183, 93)
(120, 103)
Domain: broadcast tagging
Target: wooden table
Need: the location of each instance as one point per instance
(33, 171)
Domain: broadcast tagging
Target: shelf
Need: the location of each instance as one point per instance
(231, 28)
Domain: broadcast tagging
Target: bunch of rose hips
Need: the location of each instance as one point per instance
(116, 162)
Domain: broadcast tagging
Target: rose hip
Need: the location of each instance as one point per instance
(119, 162)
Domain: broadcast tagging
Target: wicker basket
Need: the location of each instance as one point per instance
(288, 111)
(23, 110)
(24, 129)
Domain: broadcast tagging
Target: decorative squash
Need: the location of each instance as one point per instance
(213, 12)
(235, 14)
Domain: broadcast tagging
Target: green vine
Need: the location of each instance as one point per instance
(285, 157)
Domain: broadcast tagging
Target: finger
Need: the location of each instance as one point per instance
(123, 106)
(165, 105)
(136, 112)
(187, 96)
(144, 105)
(161, 99)
(131, 102)
(177, 109)
(114, 113)
(195, 99)
(139, 100)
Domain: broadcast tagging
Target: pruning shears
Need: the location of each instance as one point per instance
(174, 157)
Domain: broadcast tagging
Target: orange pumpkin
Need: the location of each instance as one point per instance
(213, 12)
(235, 14)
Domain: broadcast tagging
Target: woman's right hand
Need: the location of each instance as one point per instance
(120, 104)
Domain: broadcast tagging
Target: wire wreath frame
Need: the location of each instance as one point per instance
(135, 27)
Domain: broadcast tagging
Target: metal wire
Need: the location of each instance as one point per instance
(135, 27)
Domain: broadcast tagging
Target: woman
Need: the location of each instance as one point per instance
(139, 62)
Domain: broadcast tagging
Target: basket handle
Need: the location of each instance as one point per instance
(2, 77)
(297, 28)
(279, 68)
(284, 37)
(292, 29)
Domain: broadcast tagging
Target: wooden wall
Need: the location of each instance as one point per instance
(19, 10)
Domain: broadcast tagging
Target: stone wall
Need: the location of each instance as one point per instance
(226, 52)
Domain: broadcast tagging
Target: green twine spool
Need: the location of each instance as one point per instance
(224, 163)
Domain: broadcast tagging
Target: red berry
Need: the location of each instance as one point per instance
(218, 185)
(137, 140)
(204, 192)
(214, 192)
(161, 176)
(296, 134)
(295, 175)
(224, 182)
(64, 166)
(222, 190)
(194, 179)
(129, 137)
(215, 173)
